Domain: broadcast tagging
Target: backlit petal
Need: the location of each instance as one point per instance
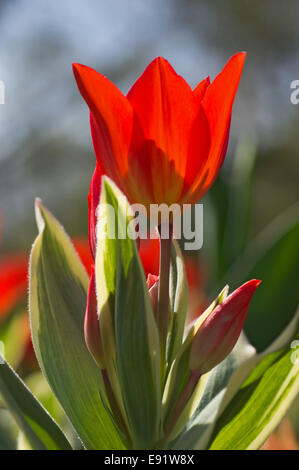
(93, 202)
(217, 105)
(166, 108)
(114, 117)
(200, 90)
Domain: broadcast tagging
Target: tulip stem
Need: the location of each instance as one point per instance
(163, 292)
(183, 400)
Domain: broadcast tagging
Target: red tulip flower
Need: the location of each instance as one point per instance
(163, 142)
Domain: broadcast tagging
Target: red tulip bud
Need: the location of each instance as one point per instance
(219, 332)
(91, 325)
(151, 280)
(153, 285)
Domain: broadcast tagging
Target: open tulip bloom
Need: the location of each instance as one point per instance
(163, 142)
(128, 368)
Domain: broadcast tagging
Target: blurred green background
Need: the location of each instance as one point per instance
(251, 216)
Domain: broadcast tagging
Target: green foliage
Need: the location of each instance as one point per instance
(260, 403)
(122, 285)
(58, 284)
(234, 406)
(41, 431)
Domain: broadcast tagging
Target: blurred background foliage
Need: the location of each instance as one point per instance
(251, 219)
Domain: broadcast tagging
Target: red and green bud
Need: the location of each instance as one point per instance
(92, 326)
(153, 286)
(219, 332)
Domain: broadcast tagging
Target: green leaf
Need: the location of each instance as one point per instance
(7, 431)
(179, 374)
(38, 385)
(23, 443)
(40, 388)
(40, 429)
(178, 293)
(274, 258)
(228, 374)
(223, 384)
(58, 285)
(126, 318)
(260, 403)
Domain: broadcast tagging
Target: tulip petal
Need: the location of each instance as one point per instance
(161, 183)
(199, 147)
(151, 280)
(199, 139)
(217, 105)
(13, 282)
(93, 202)
(200, 90)
(166, 108)
(83, 249)
(149, 252)
(107, 104)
